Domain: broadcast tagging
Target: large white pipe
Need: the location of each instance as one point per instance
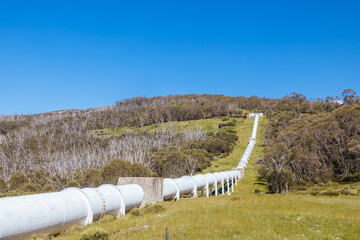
(22, 216)
(220, 180)
(113, 199)
(186, 185)
(132, 195)
(170, 189)
(201, 184)
(226, 177)
(25, 215)
(211, 179)
(174, 188)
(96, 200)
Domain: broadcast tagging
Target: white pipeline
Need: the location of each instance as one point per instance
(22, 216)
(191, 185)
(245, 158)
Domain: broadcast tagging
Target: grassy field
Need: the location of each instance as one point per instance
(244, 214)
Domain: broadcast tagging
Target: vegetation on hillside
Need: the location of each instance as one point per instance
(164, 151)
(312, 143)
(68, 146)
(243, 215)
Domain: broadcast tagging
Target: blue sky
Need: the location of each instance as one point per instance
(80, 54)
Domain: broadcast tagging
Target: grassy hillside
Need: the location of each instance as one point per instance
(206, 124)
(244, 214)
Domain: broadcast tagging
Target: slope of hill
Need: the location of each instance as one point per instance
(64, 147)
(243, 215)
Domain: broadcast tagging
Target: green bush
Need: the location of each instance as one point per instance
(108, 218)
(30, 187)
(148, 209)
(72, 183)
(344, 191)
(136, 212)
(95, 233)
(17, 180)
(301, 188)
(139, 170)
(36, 237)
(227, 124)
(154, 208)
(331, 193)
(48, 188)
(314, 192)
(91, 178)
(39, 177)
(228, 137)
(116, 168)
(3, 186)
(177, 162)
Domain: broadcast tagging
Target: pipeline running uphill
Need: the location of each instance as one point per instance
(23, 216)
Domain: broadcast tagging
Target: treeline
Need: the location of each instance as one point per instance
(62, 144)
(165, 153)
(307, 144)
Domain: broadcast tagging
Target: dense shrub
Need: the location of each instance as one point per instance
(177, 162)
(226, 118)
(3, 186)
(95, 233)
(30, 187)
(148, 209)
(91, 178)
(221, 125)
(72, 183)
(228, 137)
(108, 218)
(48, 188)
(139, 170)
(170, 162)
(215, 146)
(116, 168)
(330, 193)
(39, 177)
(312, 148)
(17, 180)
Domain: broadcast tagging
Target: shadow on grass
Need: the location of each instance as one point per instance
(260, 181)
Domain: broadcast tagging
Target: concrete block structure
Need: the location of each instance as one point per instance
(252, 115)
(152, 186)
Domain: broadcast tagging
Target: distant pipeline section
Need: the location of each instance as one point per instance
(23, 216)
(246, 156)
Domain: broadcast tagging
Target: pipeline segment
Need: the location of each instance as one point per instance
(22, 216)
(245, 158)
(173, 189)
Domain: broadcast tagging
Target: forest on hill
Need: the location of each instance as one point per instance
(307, 141)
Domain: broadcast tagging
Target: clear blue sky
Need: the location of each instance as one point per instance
(81, 54)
